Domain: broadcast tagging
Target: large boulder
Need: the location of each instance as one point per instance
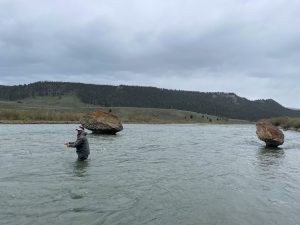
(271, 135)
(101, 123)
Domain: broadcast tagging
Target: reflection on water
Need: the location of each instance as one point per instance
(81, 168)
(103, 136)
(270, 156)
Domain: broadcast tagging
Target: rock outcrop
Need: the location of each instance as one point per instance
(101, 123)
(271, 135)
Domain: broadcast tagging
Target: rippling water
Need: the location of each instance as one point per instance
(148, 174)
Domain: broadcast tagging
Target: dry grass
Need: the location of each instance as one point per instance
(54, 110)
(38, 115)
(286, 122)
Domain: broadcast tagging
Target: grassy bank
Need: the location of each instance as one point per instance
(34, 115)
(286, 123)
(36, 122)
(127, 115)
(68, 109)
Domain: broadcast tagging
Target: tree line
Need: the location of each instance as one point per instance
(214, 103)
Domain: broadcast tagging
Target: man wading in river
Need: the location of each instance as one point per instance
(81, 145)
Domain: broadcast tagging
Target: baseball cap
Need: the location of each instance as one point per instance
(80, 128)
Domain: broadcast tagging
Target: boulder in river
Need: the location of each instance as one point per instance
(271, 135)
(101, 123)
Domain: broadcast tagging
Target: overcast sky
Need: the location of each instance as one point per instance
(250, 47)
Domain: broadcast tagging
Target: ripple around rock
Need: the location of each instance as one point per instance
(102, 123)
(271, 135)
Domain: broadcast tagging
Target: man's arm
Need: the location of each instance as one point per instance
(75, 144)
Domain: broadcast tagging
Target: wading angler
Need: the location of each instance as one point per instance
(81, 144)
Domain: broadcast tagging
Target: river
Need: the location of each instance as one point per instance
(148, 174)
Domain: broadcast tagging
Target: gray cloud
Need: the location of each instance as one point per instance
(248, 47)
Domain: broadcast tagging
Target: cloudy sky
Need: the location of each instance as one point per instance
(250, 47)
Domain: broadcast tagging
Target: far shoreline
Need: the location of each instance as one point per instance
(28, 122)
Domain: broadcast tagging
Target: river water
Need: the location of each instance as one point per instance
(148, 174)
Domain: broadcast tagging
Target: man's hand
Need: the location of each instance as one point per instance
(67, 144)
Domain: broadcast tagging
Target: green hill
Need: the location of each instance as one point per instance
(69, 108)
(225, 105)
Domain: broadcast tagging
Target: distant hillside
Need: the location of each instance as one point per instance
(23, 113)
(214, 103)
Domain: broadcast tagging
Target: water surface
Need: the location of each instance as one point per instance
(148, 174)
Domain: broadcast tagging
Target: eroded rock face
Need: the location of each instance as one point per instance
(101, 123)
(271, 135)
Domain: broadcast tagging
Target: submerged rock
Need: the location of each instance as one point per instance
(271, 135)
(101, 123)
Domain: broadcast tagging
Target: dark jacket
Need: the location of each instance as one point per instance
(81, 145)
